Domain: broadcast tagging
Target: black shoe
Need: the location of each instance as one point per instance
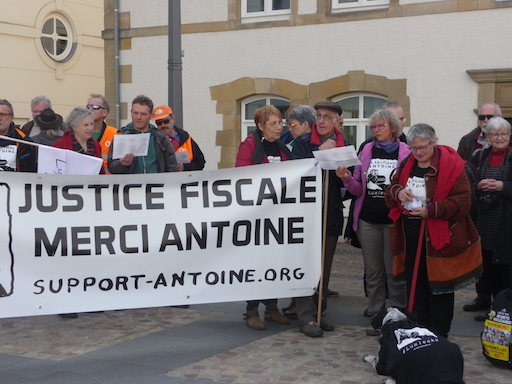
(480, 318)
(330, 293)
(311, 329)
(366, 313)
(478, 304)
(372, 332)
(326, 326)
(69, 315)
(291, 311)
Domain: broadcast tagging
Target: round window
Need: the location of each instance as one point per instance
(57, 38)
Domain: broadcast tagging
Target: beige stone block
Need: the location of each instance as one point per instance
(227, 138)
(219, 26)
(486, 93)
(228, 154)
(262, 85)
(125, 73)
(377, 84)
(437, 7)
(123, 107)
(396, 88)
(288, 89)
(356, 81)
(504, 94)
(227, 107)
(329, 88)
(125, 44)
(467, 5)
(124, 20)
(234, 90)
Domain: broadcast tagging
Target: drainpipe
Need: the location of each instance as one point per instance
(175, 96)
(116, 64)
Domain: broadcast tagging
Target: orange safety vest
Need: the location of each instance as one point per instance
(187, 146)
(105, 141)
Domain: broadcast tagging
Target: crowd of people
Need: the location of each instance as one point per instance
(429, 219)
(85, 131)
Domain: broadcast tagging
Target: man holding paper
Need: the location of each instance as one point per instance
(151, 152)
(188, 154)
(324, 135)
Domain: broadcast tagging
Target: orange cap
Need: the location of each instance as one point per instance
(161, 112)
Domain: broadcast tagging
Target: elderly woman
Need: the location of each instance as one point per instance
(80, 124)
(494, 204)
(300, 121)
(436, 246)
(379, 159)
(264, 146)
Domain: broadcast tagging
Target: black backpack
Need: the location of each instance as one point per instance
(496, 336)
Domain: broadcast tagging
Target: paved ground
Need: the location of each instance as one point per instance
(211, 344)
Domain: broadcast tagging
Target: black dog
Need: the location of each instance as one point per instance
(413, 354)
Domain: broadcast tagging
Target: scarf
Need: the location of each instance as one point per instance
(77, 147)
(389, 146)
(450, 166)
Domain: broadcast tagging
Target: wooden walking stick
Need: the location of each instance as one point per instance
(416, 266)
(324, 234)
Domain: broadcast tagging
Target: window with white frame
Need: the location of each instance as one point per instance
(348, 4)
(57, 37)
(250, 105)
(357, 108)
(265, 8)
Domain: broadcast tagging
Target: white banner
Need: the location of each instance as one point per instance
(88, 243)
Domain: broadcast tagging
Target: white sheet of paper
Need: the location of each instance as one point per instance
(136, 144)
(333, 158)
(64, 162)
(182, 157)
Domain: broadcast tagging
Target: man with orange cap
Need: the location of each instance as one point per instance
(180, 139)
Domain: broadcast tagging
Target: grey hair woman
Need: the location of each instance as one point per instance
(494, 204)
(300, 120)
(379, 158)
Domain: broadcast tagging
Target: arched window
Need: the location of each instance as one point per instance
(57, 37)
(250, 105)
(357, 108)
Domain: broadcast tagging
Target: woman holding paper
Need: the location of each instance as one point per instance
(435, 243)
(80, 124)
(379, 159)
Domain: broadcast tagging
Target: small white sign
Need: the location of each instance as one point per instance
(333, 158)
(136, 144)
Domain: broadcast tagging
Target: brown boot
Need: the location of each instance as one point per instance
(253, 319)
(272, 313)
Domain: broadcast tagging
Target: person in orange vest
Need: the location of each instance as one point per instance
(102, 133)
(180, 139)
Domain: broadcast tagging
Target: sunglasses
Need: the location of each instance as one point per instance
(160, 122)
(94, 106)
(483, 117)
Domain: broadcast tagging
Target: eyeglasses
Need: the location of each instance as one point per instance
(5, 115)
(325, 117)
(378, 127)
(423, 148)
(293, 125)
(494, 136)
(94, 106)
(274, 124)
(160, 122)
(483, 117)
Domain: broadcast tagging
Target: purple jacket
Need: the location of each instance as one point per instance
(354, 183)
